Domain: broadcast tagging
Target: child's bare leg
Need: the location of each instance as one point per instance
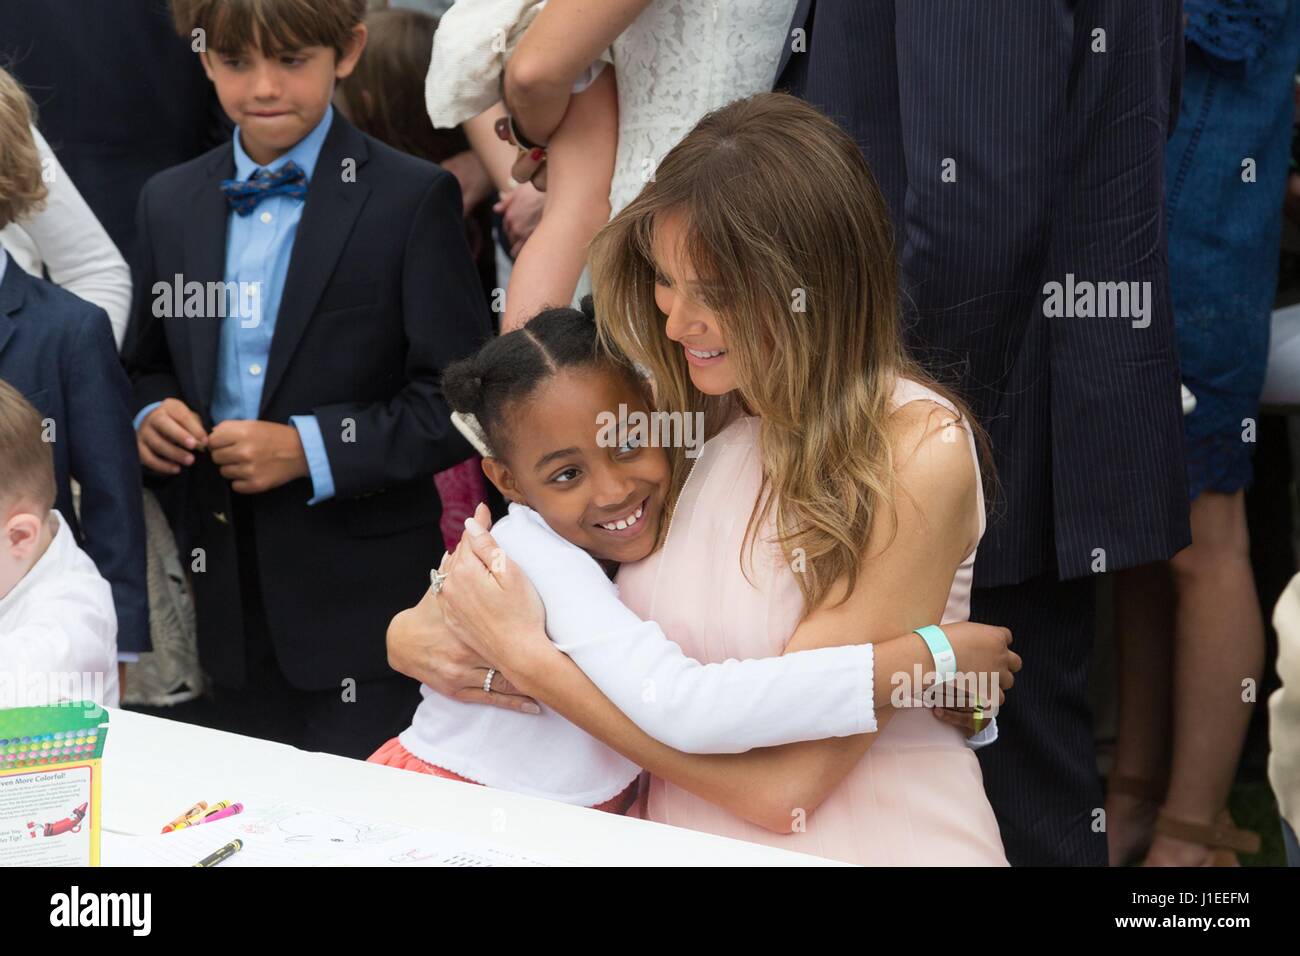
(580, 161)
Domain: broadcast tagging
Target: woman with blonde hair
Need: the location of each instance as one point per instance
(838, 499)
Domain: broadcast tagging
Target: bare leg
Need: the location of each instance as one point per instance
(1219, 644)
(1144, 624)
(580, 160)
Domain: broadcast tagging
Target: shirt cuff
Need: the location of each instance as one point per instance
(867, 703)
(127, 657)
(143, 414)
(985, 736)
(318, 463)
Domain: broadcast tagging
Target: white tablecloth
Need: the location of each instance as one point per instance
(154, 769)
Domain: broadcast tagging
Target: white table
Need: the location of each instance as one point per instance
(155, 768)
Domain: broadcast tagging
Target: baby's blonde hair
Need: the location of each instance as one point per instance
(26, 459)
(22, 188)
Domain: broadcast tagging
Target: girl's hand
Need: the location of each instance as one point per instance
(963, 718)
(985, 651)
(423, 646)
(492, 604)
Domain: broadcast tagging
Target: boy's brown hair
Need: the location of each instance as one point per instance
(26, 458)
(22, 189)
(273, 26)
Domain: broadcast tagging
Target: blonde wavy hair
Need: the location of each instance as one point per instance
(781, 216)
(22, 188)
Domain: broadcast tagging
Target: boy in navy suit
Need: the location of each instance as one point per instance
(58, 351)
(298, 293)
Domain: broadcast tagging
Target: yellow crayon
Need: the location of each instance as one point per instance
(196, 810)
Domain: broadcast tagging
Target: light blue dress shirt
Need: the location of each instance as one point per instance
(258, 250)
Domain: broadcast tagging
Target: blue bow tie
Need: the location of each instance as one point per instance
(243, 195)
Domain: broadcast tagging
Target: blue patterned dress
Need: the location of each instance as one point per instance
(1224, 217)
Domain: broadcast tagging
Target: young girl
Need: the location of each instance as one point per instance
(473, 42)
(581, 496)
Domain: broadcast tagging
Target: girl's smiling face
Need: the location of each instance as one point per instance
(557, 462)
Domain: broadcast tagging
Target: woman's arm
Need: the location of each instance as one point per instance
(726, 707)
(766, 786)
(770, 787)
(908, 573)
(564, 39)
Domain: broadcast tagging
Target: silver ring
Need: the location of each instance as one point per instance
(487, 681)
(436, 580)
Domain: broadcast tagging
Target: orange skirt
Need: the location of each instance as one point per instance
(393, 754)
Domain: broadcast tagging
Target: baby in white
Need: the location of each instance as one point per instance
(58, 628)
(574, 143)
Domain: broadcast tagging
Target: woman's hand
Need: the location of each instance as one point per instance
(423, 646)
(983, 651)
(521, 211)
(492, 604)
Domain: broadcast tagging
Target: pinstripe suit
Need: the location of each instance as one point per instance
(1016, 145)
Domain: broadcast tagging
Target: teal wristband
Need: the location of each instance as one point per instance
(945, 659)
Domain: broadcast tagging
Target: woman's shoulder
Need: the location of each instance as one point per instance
(929, 439)
(919, 411)
(935, 462)
(908, 391)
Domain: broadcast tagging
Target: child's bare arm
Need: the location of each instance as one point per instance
(496, 155)
(566, 37)
(581, 161)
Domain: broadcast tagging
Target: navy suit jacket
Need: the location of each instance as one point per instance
(58, 350)
(119, 95)
(1057, 146)
(381, 294)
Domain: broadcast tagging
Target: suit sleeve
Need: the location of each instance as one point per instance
(103, 459)
(146, 356)
(445, 316)
(1055, 117)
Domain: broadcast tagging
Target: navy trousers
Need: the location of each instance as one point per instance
(1041, 775)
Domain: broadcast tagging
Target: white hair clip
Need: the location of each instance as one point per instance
(468, 426)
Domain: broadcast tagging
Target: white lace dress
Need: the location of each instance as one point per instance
(677, 61)
(473, 41)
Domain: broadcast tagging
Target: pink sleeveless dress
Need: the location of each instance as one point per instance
(917, 796)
